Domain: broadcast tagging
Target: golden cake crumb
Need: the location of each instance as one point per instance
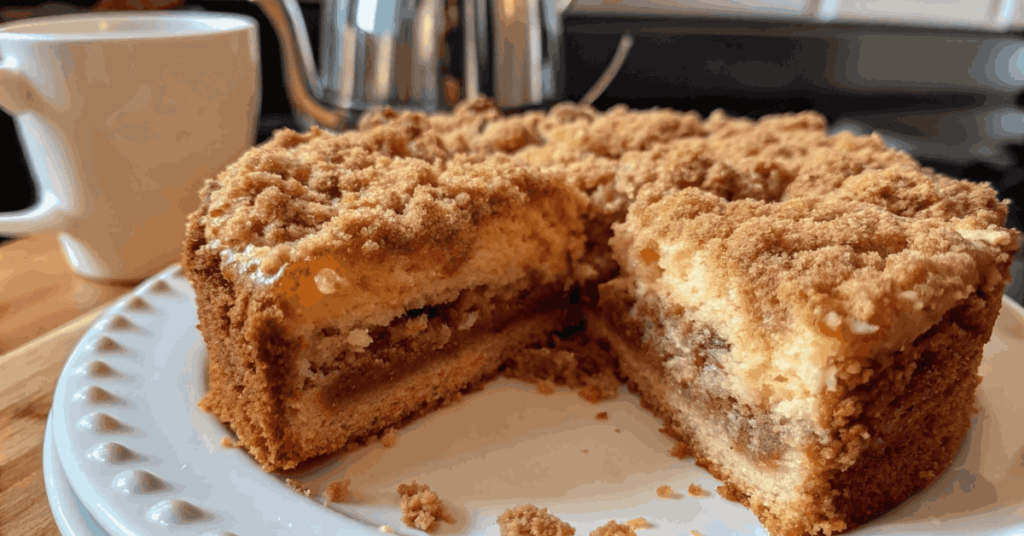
(571, 364)
(337, 491)
(638, 523)
(603, 416)
(528, 520)
(596, 393)
(389, 438)
(227, 442)
(422, 508)
(294, 483)
(387, 529)
(666, 492)
(612, 528)
(695, 490)
(694, 533)
(681, 450)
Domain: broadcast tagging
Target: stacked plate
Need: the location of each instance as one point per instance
(128, 452)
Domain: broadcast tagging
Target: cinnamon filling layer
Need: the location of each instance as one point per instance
(751, 430)
(422, 336)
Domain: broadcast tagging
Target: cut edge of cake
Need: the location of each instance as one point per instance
(784, 374)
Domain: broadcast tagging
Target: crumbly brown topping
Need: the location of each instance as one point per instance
(528, 520)
(841, 224)
(422, 508)
(302, 194)
(883, 244)
(404, 178)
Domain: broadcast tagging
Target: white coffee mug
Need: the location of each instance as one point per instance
(122, 116)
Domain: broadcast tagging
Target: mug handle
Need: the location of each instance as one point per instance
(17, 96)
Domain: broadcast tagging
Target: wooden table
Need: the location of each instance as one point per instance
(44, 311)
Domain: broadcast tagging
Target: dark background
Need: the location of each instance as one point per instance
(669, 67)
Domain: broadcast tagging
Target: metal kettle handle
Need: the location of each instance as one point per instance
(611, 71)
(300, 71)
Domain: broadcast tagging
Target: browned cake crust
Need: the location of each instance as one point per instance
(838, 236)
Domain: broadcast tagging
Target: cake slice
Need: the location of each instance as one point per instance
(819, 354)
(343, 289)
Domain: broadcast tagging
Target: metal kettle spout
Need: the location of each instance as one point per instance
(301, 80)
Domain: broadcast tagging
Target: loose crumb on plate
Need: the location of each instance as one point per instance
(694, 533)
(695, 490)
(296, 485)
(666, 492)
(387, 528)
(603, 416)
(337, 491)
(227, 442)
(422, 508)
(638, 523)
(612, 528)
(528, 520)
(389, 438)
(595, 393)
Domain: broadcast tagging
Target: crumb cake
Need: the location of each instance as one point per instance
(805, 312)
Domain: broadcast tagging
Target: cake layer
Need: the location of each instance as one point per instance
(285, 408)
(348, 362)
(323, 419)
(291, 391)
(884, 440)
(749, 437)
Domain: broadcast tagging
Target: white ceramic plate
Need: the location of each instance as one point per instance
(71, 516)
(146, 460)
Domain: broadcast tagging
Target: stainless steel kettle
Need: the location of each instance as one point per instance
(423, 54)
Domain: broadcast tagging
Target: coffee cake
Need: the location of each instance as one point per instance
(805, 312)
